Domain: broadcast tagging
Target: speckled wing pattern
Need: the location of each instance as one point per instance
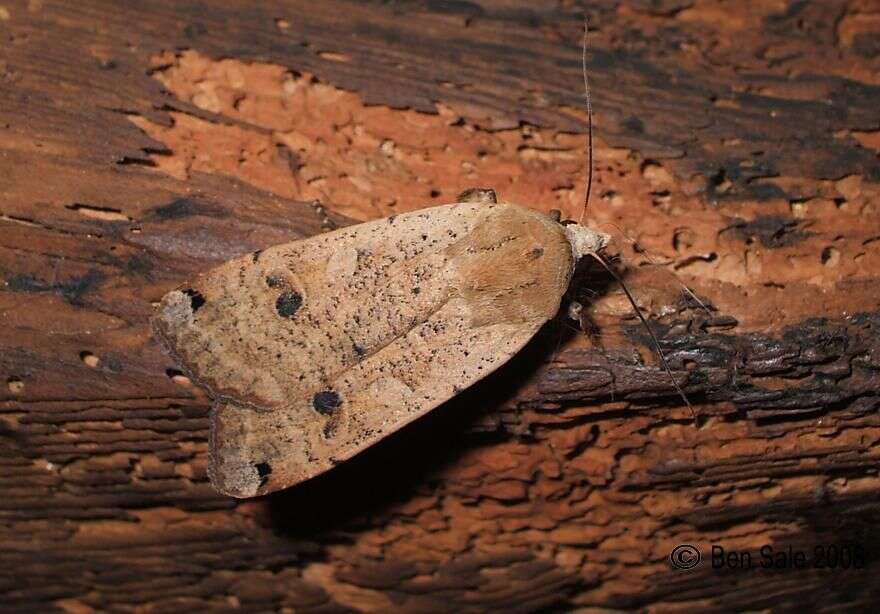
(316, 349)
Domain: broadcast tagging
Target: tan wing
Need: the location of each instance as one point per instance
(318, 348)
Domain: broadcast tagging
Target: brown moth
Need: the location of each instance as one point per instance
(316, 349)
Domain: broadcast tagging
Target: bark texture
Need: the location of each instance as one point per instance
(737, 150)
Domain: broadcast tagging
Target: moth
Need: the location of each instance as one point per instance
(316, 349)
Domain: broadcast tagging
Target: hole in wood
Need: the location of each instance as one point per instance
(15, 385)
(178, 377)
(89, 359)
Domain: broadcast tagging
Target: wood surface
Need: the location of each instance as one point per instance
(736, 152)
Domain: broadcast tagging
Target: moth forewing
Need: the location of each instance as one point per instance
(316, 349)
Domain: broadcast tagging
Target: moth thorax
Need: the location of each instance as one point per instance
(585, 241)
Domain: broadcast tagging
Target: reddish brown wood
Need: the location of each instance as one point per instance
(736, 142)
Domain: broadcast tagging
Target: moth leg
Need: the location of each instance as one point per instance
(478, 195)
(587, 325)
(327, 223)
(555, 215)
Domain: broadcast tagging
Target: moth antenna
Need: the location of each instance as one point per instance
(589, 120)
(647, 256)
(654, 340)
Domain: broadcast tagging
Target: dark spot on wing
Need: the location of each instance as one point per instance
(196, 300)
(263, 471)
(326, 402)
(288, 304)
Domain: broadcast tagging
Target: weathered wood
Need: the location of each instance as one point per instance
(737, 144)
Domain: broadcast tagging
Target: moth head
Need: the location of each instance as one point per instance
(575, 311)
(585, 241)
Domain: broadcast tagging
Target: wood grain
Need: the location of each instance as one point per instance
(737, 145)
